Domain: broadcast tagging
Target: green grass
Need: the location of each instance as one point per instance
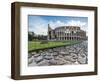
(32, 45)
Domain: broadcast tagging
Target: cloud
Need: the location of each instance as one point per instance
(76, 23)
(40, 25)
(81, 24)
(58, 23)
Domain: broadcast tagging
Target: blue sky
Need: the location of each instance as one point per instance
(39, 24)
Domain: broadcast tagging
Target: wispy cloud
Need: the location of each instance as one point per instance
(58, 23)
(40, 25)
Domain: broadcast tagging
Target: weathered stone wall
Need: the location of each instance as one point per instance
(66, 33)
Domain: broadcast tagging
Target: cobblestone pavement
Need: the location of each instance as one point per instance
(67, 55)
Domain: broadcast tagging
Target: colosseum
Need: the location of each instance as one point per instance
(66, 33)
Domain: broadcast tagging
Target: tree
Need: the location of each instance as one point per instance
(30, 37)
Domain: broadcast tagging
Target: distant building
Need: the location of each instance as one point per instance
(66, 33)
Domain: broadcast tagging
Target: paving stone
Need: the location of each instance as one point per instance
(30, 60)
(61, 61)
(53, 62)
(43, 63)
(38, 59)
(29, 55)
(33, 53)
(36, 55)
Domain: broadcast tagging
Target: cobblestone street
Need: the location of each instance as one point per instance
(67, 55)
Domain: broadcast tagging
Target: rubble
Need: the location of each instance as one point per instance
(67, 55)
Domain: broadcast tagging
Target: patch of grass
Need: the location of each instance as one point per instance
(32, 45)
